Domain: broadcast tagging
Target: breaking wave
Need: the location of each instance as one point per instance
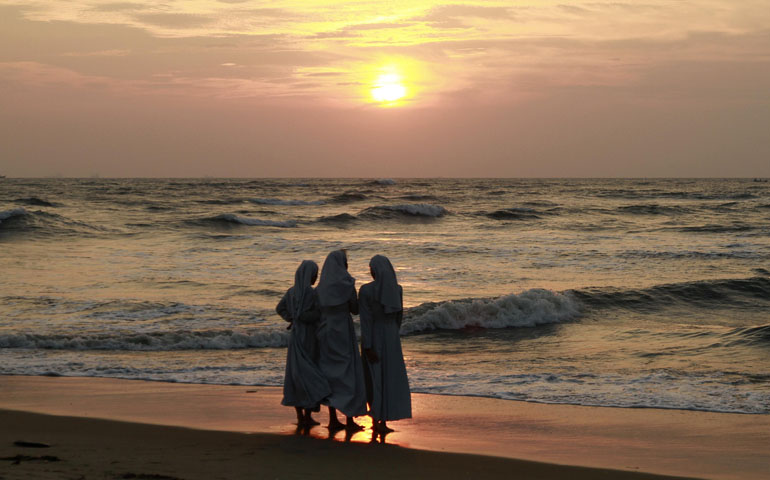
(383, 181)
(415, 210)
(531, 308)
(340, 219)
(684, 195)
(514, 214)
(230, 219)
(528, 309)
(653, 209)
(36, 202)
(417, 197)
(714, 228)
(748, 292)
(276, 201)
(155, 341)
(20, 220)
(348, 197)
(8, 214)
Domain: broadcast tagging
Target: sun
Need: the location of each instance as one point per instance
(388, 88)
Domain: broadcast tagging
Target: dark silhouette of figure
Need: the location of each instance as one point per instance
(381, 306)
(304, 385)
(339, 359)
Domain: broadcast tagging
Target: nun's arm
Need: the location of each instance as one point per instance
(353, 302)
(366, 320)
(282, 309)
(400, 317)
(311, 316)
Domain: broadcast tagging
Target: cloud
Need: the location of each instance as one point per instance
(377, 26)
(574, 9)
(119, 7)
(358, 30)
(470, 11)
(99, 53)
(323, 74)
(174, 20)
(454, 16)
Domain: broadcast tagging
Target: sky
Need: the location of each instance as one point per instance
(239, 88)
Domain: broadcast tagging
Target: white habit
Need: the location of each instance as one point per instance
(304, 384)
(339, 358)
(381, 307)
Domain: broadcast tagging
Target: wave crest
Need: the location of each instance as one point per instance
(413, 210)
(514, 214)
(527, 309)
(340, 219)
(15, 212)
(233, 219)
(383, 181)
(348, 197)
(654, 209)
(277, 201)
(706, 293)
(156, 341)
(39, 222)
(35, 202)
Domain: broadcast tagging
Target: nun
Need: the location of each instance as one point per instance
(381, 304)
(339, 359)
(304, 385)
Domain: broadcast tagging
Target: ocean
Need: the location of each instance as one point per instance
(610, 292)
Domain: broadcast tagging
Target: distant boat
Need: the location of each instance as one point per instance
(2, 176)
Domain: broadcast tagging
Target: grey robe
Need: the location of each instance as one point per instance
(304, 384)
(339, 358)
(387, 384)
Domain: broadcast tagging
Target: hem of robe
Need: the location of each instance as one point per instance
(315, 407)
(393, 418)
(345, 411)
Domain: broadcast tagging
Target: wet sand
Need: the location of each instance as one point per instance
(107, 428)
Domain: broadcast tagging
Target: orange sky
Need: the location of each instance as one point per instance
(397, 88)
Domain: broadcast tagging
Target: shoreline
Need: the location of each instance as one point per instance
(624, 441)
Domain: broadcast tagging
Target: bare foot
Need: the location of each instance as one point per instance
(310, 421)
(381, 427)
(335, 426)
(352, 426)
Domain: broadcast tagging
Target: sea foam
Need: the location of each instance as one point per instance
(527, 309)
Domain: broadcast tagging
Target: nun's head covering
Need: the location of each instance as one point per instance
(302, 292)
(386, 288)
(336, 283)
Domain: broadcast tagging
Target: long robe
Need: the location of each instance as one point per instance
(387, 383)
(304, 384)
(339, 358)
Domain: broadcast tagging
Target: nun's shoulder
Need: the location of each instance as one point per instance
(366, 289)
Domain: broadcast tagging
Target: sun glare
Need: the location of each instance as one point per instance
(388, 88)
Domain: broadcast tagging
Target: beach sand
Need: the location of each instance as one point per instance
(108, 428)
